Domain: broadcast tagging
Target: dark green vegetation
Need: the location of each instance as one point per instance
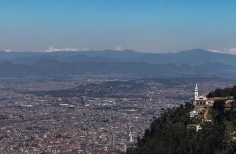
(169, 134)
(223, 92)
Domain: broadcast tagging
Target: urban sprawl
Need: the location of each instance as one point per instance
(84, 117)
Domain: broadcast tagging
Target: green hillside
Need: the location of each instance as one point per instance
(169, 133)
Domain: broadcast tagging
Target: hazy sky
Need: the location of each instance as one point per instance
(140, 25)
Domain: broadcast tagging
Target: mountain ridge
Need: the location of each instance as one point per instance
(191, 57)
(52, 68)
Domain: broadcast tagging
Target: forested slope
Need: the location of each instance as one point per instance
(169, 133)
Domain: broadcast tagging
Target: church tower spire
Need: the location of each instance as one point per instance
(196, 92)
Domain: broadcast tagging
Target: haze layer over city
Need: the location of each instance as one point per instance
(91, 76)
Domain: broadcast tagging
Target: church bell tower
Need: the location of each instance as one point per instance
(196, 92)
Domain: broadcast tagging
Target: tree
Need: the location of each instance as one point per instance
(219, 105)
(189, 105)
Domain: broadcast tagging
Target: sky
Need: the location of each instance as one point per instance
(140, 25)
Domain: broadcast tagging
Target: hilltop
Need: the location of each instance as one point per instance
(170, 133)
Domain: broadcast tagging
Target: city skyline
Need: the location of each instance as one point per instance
(144, 26)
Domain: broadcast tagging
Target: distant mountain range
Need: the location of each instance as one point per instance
(112, 62)
(192, 57)
(53, 68)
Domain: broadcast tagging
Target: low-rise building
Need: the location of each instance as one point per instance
(194, 126)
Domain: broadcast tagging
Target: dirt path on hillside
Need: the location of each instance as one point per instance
(205, 114)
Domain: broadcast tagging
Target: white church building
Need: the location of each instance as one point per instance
(202, 100)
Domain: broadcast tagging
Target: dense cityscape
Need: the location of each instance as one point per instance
(87, 116)
(117, 77)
